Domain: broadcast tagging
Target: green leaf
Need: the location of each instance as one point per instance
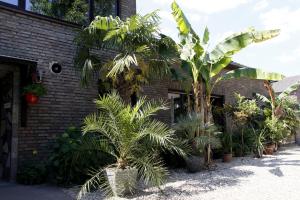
(238, 41)
(206, 36)
(104, 23)
(183, 24)
(252, 73)
(221, 64)
(289, 90)
(262, 98)
(187, 52)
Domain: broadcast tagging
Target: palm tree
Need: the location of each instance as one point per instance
(204, 66)
(189, 127)
(132, 136)
(142, 51)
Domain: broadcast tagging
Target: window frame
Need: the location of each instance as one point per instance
(21, 5)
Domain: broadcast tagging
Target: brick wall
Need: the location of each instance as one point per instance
(159, 90)
(35, 38)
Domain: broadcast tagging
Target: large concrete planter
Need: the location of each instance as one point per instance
(194, 163)
(122, 181)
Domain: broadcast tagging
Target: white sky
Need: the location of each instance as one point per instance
(223, 17)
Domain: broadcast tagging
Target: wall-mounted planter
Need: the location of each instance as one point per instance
(31, 99)
(32, 93)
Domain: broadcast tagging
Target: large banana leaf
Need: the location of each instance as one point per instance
(262, 98)
(289, 90)
(218, 66)
(183, 24)
(238, 41)
(252, 73)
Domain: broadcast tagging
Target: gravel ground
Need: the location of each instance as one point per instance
(273, 177)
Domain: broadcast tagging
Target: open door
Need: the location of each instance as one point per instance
(9, 96)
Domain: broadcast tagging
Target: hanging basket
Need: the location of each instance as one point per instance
(31, 99)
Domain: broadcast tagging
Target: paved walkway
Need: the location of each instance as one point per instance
(11, 191)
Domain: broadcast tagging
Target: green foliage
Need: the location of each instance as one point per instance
(132, 136)
(245, 110)
(192, 130)
(275, 130)
(32, 173)
(285, 119)
(37, 89)
(143, 51)
(242, 142)
(252, 74)
(73, 11)
(246, 116)
(226, 140)
(258, 141)
(65, 166)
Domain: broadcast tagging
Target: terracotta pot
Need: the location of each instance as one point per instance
(227, 157)
(269, 149)
(31, 99)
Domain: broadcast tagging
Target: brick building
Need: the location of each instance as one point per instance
(32, 42)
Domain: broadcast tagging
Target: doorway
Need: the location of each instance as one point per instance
(9, 101)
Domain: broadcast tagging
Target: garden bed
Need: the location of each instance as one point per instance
(273, 177)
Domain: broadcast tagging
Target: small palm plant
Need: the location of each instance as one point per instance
(134, 138)
(199, 135)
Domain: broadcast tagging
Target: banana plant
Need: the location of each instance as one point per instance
(277, 102)
(204, 66)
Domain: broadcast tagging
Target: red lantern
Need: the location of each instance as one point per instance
(31, 98)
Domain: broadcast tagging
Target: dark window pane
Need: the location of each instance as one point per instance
(75, 11)
(105, 7)
(13, 2)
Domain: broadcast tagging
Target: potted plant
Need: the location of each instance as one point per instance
(258, 143)
(227, 147)
(133, 138)
(33, 91)
(191, 129)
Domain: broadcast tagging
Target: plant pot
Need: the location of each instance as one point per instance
(122, 181)
(269, 149)
(297, 137)
(31, 99)
(194, 163)
(227, 157)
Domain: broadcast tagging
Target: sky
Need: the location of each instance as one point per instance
(224, 17)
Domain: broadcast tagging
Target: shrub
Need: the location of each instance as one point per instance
(65, 166)
(32, 173)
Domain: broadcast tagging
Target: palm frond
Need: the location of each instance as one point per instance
(96, 181)
(151, 169)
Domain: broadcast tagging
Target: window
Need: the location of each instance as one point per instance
(76, 11)
(179, 105)
(105, 7)
(12, 2)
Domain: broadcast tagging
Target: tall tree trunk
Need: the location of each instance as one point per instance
(207, 120)
(198, 93)
(272, 96)
(189, 103)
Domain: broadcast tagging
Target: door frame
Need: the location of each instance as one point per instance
(15, 119)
